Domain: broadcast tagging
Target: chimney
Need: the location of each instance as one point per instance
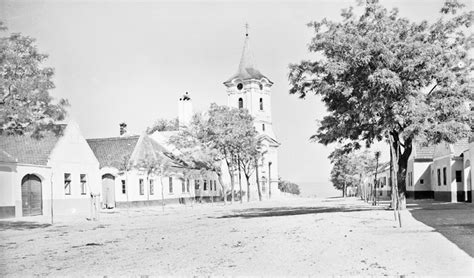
(185, 110)
(123, 129)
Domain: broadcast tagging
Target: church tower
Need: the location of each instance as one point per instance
(249, 89)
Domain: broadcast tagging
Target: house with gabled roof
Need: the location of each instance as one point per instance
(448, 172)
(418, 178)
(53, 174)
(125, 181)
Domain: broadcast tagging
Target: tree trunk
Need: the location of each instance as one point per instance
(240, 181)
(344, 189)
(231, 174)
(258, 182)
(219, 177)
(248, 187)
(375, 182)
(162, 194)
(394, 156)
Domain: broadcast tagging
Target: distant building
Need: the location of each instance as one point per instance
(54, 174)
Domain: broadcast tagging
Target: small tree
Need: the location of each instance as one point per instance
(289, 187)
(25, 103)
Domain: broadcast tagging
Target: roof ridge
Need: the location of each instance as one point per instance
(114, 138)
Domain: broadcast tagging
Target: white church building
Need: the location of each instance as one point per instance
(250, 89)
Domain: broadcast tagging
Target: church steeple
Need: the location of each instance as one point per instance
(247, 70)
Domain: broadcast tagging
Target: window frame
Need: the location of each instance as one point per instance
(458, 176)
(124, 187)
(438, 172)
(67, 184)
(240, 103)
(444, 176)
(141, 187)
(170, 185)
(83, 182)
(151, 184)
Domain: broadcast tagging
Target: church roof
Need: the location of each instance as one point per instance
(246, 70)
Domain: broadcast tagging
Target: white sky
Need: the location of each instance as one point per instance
(131, 61)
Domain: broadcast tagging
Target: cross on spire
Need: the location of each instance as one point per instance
(246, 29)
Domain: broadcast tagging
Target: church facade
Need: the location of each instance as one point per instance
(249, 89)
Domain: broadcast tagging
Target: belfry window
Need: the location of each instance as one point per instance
(241, 103)
(263, 127)
(261, 103)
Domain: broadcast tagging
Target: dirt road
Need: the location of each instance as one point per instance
(281, 237)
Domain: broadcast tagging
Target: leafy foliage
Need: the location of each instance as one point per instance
(163, 125)
(289, 187)
(25, 103)
(383, 76)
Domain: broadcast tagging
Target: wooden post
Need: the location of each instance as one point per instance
(269, 180)
(52, 210)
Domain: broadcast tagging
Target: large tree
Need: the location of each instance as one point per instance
(384, 76)
(229, 129)
(25, 103)
(196, 151)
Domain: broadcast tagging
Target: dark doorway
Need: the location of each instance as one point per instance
(31, 195)
(108, 190)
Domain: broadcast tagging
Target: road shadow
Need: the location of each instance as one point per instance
(455, 221)
(21, 225)
(291, 211)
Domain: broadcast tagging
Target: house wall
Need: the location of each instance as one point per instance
(7, 193)
(471, 154)
(420, 187)
(132, 190)
(452, 189)
(73, 155)
(467, 177)
(44, 174)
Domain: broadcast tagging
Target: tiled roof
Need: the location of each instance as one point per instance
(246, 69)
(5, 157)
(26, 149)
(147, 147)
(460, 146)
(424, 152)
(111, 151)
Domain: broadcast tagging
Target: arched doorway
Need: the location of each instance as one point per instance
(31, 195)
(108, 190)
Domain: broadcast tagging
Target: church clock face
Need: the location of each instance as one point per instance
(240, 86)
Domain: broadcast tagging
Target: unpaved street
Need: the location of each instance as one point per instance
(282, 237)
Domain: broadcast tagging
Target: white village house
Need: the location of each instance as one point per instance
(441, 172)
(34, 172)
(123, 185)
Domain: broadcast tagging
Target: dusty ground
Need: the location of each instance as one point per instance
(281, 237)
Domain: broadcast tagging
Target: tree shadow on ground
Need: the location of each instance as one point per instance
(21, 225)
(455, 221)
(291, 211)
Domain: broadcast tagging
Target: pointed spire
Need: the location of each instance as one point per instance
(246, 58)
(246, 68)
